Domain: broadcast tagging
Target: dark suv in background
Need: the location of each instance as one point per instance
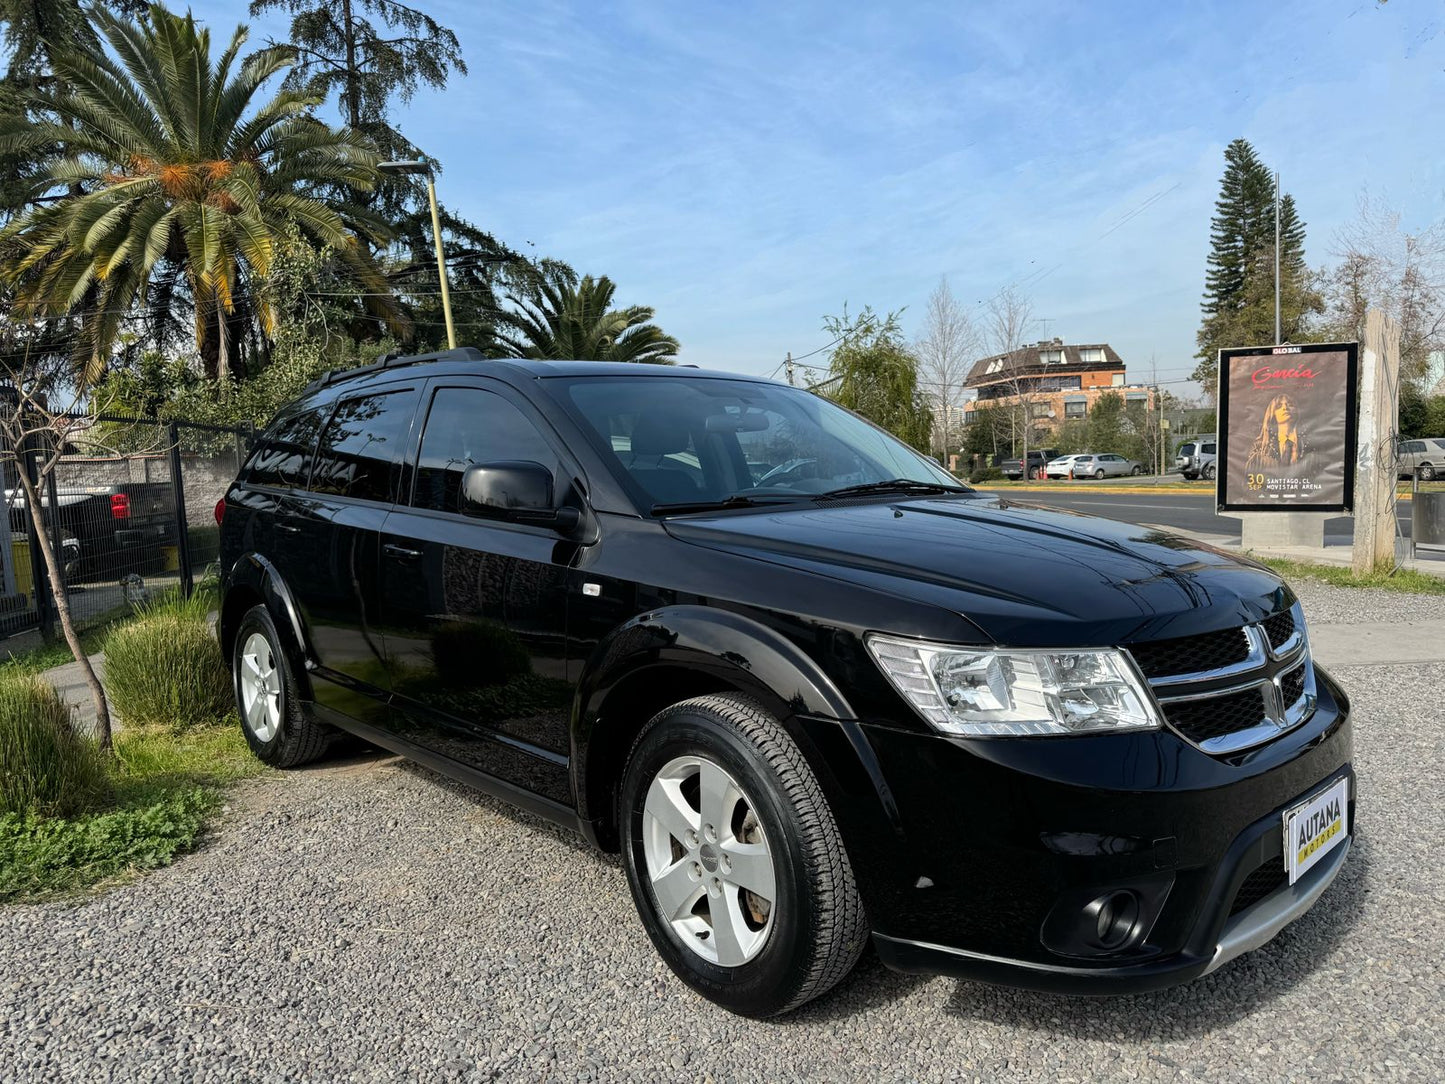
(811, 688)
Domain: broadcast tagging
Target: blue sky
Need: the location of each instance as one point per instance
(745, 168)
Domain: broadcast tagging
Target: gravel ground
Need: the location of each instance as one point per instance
(368, 920)
(1324, 604)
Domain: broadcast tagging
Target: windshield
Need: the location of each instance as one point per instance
(676, 440)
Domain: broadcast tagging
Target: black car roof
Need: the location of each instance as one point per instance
(470, 361)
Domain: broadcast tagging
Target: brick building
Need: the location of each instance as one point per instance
(1058, 381)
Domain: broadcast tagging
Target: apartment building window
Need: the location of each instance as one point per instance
(1091, 355)
(1039, 410)
(1051, 357)
(1117, 380)
(1075, 408)
(1060, 383)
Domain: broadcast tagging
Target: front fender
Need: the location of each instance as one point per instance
(256, 575)
(743, 651)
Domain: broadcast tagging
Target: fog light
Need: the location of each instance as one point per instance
(1114, 917)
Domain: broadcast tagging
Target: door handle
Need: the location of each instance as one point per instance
(287, 528)
(401, 553)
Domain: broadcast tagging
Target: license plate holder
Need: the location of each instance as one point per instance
(1316, 826)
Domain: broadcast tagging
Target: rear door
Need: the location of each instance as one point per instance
(333, 532)
(476, 608)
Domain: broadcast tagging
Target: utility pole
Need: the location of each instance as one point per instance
(788, 366)
(1277, 332)
(1375, 458)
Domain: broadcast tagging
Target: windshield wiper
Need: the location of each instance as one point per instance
(892, 485)
(737, 500)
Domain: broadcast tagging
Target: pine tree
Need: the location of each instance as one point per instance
(1238, 304)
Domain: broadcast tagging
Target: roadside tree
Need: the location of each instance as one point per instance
(556, 316)
(874, 372)
(945, 349)
(179, 183)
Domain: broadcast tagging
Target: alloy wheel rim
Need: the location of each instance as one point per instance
(709, 864)
(260, 680)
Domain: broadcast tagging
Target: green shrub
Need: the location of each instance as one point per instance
(165, 667)
(45, 767)
(42, 857)
(988, 474)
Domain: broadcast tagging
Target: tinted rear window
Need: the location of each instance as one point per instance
(282, 456)
(361, 450)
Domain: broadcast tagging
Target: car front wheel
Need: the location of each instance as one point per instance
(735, 862)
(1208, 473)
(1426, 472)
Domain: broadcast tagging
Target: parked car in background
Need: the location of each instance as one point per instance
(118, 528)
(1104, 465)
(1196, 458)
(1059, 468)
(1422, 459)
(1038, 460)
(844, 700)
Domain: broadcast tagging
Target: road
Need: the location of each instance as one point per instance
(1187, 512)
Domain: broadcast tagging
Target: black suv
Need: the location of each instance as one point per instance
(812, 689)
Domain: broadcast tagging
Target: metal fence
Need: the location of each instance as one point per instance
(130, 509)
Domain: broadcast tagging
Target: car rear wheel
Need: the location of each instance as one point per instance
(735, 862)
(1099, 474)
(277, 728)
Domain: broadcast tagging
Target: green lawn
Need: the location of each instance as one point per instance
(1405, 581)
(164, 786)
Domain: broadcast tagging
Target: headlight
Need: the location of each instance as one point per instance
(982, 692)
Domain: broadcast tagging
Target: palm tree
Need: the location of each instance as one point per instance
(181, 186)
(559, 317)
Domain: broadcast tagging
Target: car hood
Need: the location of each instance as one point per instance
(1023, 574)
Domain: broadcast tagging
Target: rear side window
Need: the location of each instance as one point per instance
(1186, 449)
(467, 426)
(1209, 449)
(360, 451)
(283, 454)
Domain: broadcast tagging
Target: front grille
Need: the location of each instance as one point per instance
(1264, 881)
(1200, 720)
(1191, 654)
(1279, 629)
(1292, 686)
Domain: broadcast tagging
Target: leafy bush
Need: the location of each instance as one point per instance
(165, 666)
(48, 856)
(45, 767)
(988, 474)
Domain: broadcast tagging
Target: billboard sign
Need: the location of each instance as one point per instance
(1287, 428)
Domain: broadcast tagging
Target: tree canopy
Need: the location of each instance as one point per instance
(1238, 306)
(180, 182)
(558, 317)
(875, 373)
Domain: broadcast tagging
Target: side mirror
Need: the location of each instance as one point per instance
(519, 491)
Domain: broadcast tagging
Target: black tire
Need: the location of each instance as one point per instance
(299, 739)
(1426, 472)
(818, 926)
(1208, 472)
(1137, 471)
(1099, 474)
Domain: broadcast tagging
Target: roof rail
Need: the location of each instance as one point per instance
(393, 361)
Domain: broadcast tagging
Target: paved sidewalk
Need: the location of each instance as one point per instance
(70, 683)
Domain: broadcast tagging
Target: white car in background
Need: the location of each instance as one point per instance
(1059, 468)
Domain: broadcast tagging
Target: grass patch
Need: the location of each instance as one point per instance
(164, 668)
(163, 787)
(45, 767)
(1405, 581)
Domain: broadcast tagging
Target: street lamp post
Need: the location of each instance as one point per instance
(422, 165)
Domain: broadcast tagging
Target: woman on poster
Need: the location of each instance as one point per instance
(1281, 445)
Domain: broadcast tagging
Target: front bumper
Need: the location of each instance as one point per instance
(974, 849)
